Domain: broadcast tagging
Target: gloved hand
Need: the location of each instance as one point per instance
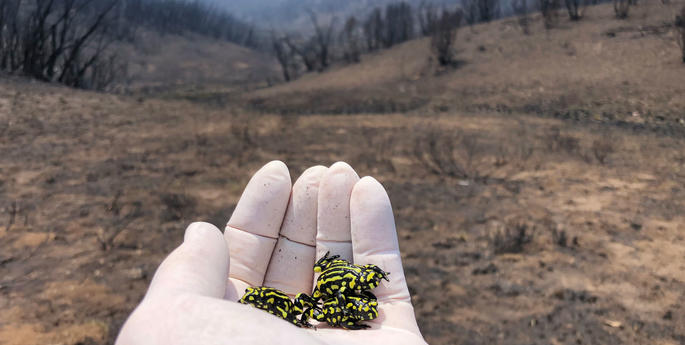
(272, 239)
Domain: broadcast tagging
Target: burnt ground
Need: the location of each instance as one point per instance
(539, 187)
(514, 229)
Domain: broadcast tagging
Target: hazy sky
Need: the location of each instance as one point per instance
(247, 7)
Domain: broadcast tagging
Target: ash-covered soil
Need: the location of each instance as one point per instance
(513, 229)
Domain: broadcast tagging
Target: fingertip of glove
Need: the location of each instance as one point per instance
(276, 165)
(367, 184)
(201, 231)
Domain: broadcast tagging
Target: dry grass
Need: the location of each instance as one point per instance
(597, 69)
(179, 161)
(680, 31)
(193, 64)
(512, 239)
(603, 191)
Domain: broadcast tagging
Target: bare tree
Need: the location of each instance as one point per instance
(182, 16)
(444, 35)
(305, 49)
(477, 11)
(399, 23)
(322, 37)
(470, 11)
(428, 18)
(121, 215)
(488, 10)
(520, 8)
(284, 55)
(350, 38)
(65, 41)
(373, 30)
(70, 41)
(76, 65)
(680, 31)
(621, 8)
(549, 10)
(10, 35)
(574, 8)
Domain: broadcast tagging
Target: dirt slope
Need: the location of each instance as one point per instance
(599, 69)
(159, 63)
(599, 261)
(517, 225)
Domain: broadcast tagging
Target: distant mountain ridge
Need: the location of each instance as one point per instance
(284, 13)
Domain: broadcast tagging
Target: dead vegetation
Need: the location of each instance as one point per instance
(560, 142)
(447, 153)
(17, 213)
(454, 153)
(59, 41)
(351, 38)
(120, 215)
(12, 213)
(484, 11)
(184, 17)
(550, 12)
(680, 31)
(525, 197)
(621, 8)
(448, 181)
(512, 239)
(560, 237)
(177, 206)
(575, 9)
(444, 35)
(603, 147)
(520, 8)
(556, 83)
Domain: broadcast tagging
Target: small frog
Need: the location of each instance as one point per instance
(362, 307)
(339, 276)
(276, 302)
(345, 314)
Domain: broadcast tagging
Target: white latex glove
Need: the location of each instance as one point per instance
(274, 236)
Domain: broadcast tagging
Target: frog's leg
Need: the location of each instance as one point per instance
(333, 316)
(368, 295)
(306, 305)
(367, 311)
(331, 312)
(329, 258)
(302, 322)
(316, 295)
(312, 313)
(373, 275)
(382, 274)
(352, 324)
(303, 301)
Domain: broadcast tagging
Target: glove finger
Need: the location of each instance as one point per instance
(252, 231)
(198, 266)
(374, 241)
(333, 212)
(290, 269)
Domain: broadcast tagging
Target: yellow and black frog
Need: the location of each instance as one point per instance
(276, 302)
(345, 311)
(338, 277)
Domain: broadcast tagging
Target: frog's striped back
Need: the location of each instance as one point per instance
(335, 278)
